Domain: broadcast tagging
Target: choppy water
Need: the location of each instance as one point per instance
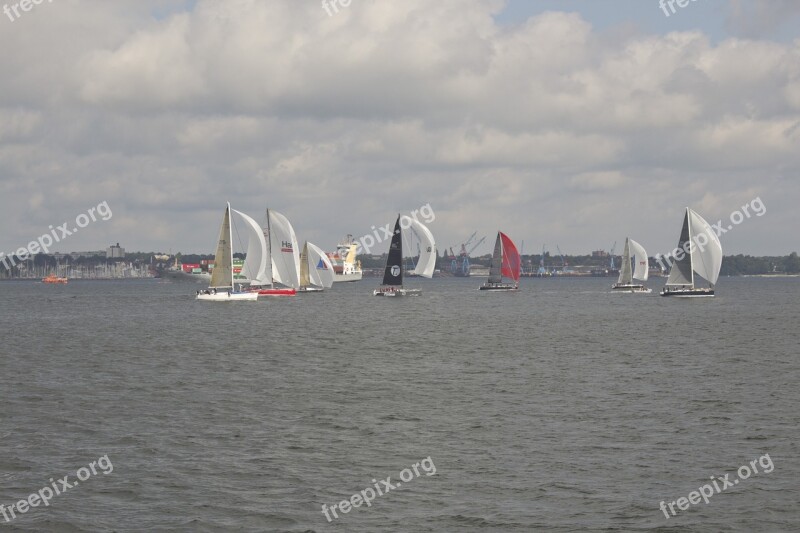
(560, 408)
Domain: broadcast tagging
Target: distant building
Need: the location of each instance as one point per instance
(599, 253)
(75, 255)
(115, 252)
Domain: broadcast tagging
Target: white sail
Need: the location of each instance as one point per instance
(641, 267)
(284, 250)
(625, 266)
(706, 249)
(257, 267)
(320, 268)
(427, 247)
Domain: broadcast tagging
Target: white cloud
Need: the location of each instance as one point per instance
(545, 128)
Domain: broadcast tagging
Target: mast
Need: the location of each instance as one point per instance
(269, 251)
(691, 247)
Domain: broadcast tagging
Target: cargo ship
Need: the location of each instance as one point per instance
(345, 265)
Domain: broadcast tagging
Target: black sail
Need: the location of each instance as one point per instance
(393, 275)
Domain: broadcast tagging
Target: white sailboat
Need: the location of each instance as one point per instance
(316, 270)
(393, 274)
(627, 274)
(699, 252)
(221, 288)
(272, 256)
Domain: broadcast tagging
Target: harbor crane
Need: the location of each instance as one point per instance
(460, 265)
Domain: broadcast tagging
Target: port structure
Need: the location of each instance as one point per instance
(459, 265)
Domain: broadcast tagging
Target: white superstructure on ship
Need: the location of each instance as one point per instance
(345, 265)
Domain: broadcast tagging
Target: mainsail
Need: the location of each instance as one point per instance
(681, 272)
(305, 279)
(625, 274)
(495, 268)
(393, 275)
(222, 275)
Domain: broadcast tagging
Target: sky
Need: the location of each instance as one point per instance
(562, 123)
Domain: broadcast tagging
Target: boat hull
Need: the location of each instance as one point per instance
(500, 287)
(393, 293)
(276, 292)
(688, 293)
(310, 289)
(225, 296)
(630, 288)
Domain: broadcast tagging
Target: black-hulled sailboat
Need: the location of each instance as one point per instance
(393, 274)
(505, 263)
(699, 252)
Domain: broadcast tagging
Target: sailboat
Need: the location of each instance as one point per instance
(271, 256)
(316, 270)
(505, 263)
(221, 288)
(699, 252)
(626, 274)
(393, 274)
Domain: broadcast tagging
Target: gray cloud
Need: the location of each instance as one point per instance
(545, 129)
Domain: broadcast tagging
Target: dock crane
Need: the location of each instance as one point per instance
(542, 271)
(564, 264)
(460, 265)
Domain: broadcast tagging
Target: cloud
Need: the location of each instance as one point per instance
(542, 128)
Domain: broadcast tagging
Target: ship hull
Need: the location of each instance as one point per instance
(352, 276)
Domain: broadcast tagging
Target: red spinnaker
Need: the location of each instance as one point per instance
(511, 260)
